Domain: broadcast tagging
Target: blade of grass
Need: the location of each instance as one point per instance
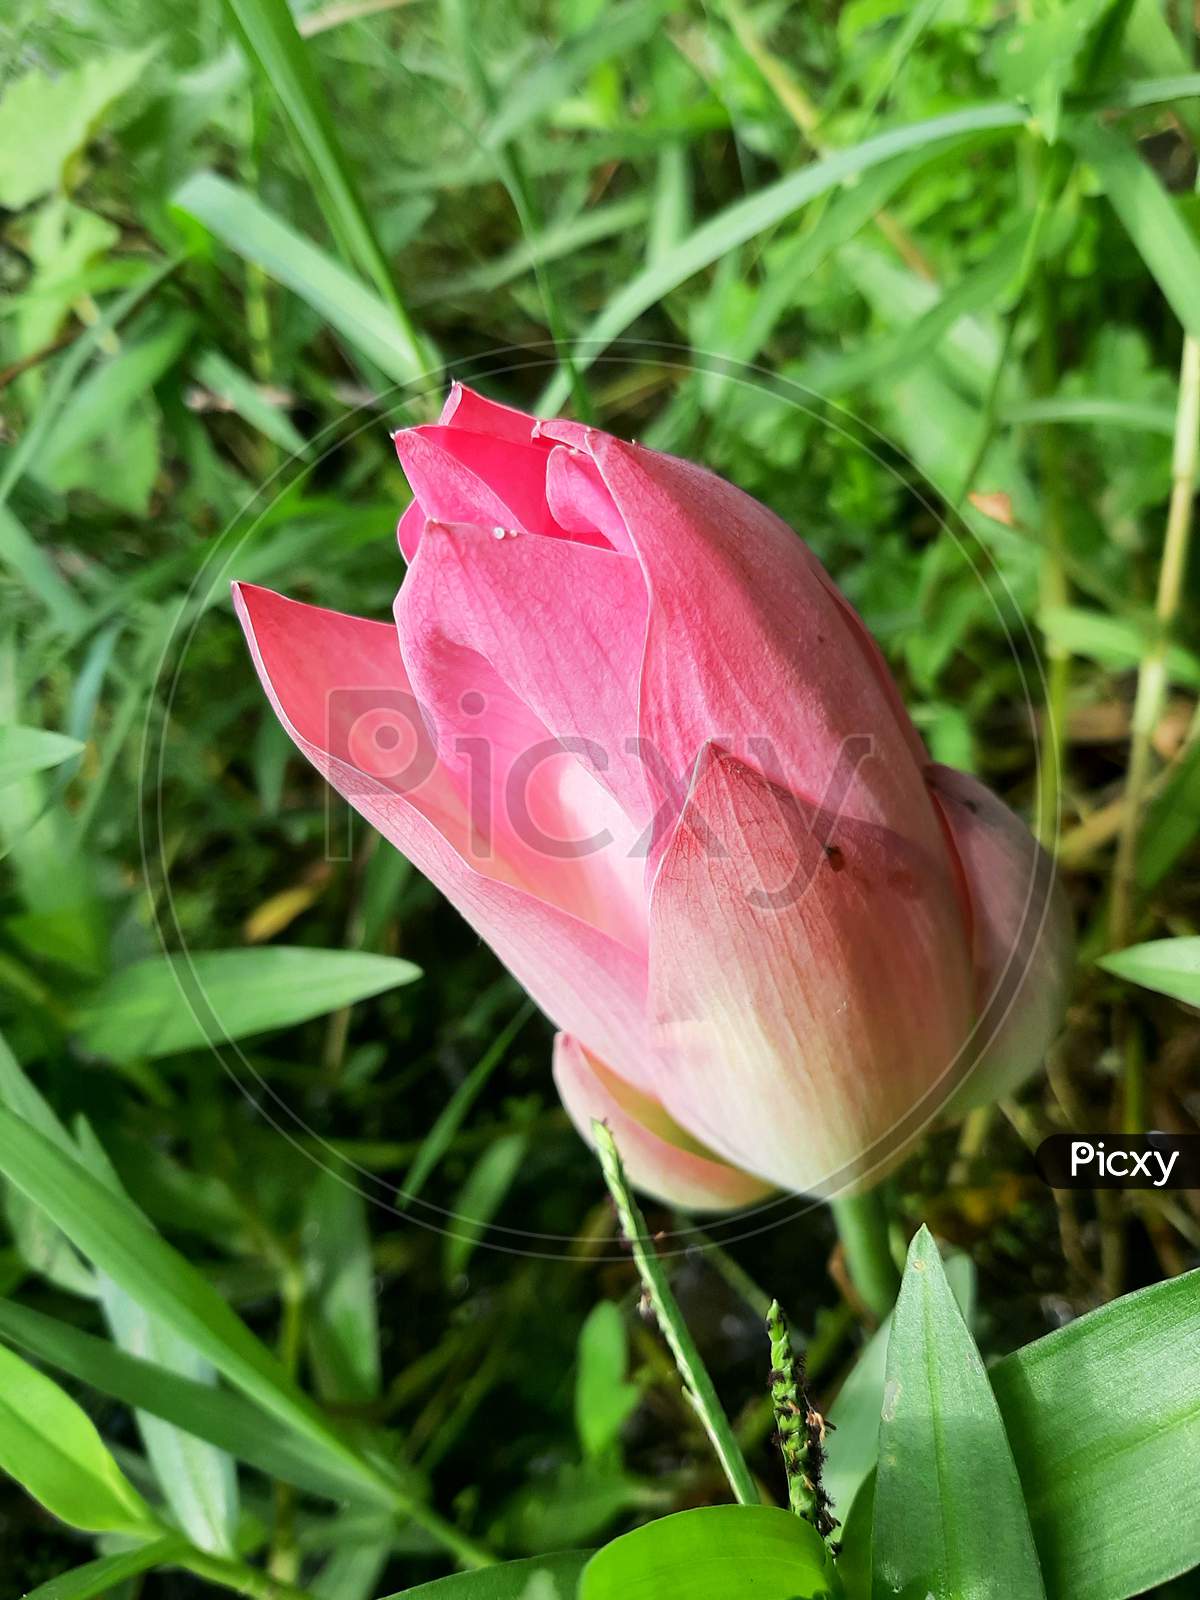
(452, 1115)
(1155, 226)
(338, 296)
(744, 219)
(119, 1241)
(698, 1386)
(68, 370)
(268, 35)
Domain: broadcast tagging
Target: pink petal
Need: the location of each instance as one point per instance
(562, 624)
(328, 676)
(658, 1156)
(410, 528)
(580, 501)
(810, 982)
(465, 408)
(1021, 936)
(477, 477)
(748, 645)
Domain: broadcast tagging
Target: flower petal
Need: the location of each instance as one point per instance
(334, 681)
(1021, 936)
(810, 984)
(748, 646)
(465, 408)
(658, 1156)
(476, 477)
(562, 624)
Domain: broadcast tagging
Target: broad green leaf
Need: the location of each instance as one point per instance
(481, 1197)
(744, 219)
(268, 35)
(1150, 217)
(101, 1577)
(337, 295)
(25, 750)
(45, 122)
(224, 1418)
(1169, 966)
(198, 1482)
(341, 1321)
(1115, 642)
(121, 1243)
(544, 1578)
(1104, 1420)
(159, 1006)
(853, 1444)
(51, 1448)
(603, 1399)
(711, 1554)
(949, 1517)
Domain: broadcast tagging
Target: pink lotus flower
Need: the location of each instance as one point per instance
(627, 724)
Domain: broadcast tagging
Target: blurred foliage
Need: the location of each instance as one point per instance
(231, 263)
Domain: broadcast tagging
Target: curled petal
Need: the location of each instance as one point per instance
(1021, 943)
(658, 1156)
(810, 985)
(338, 685)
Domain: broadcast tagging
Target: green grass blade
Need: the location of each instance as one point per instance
(335, 293)
(1168, 966)
(746, 218)
(1150, 217)
(102, 1576)
(120, 1242)
(68, 370)
(220, 1416)
(452, 1115)
(621, 29)
(269, 37)
(26, 750)
(697, 1383)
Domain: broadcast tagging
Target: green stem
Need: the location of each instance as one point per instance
(863, 1229)
(697, 1384)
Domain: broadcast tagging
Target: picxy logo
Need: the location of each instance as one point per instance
(1120, 1161)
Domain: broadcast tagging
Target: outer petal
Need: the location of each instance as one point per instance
(1021, 936)
(749, 645)
(659, 1157)
(503, 641)
(810, 985)
(326, 674)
